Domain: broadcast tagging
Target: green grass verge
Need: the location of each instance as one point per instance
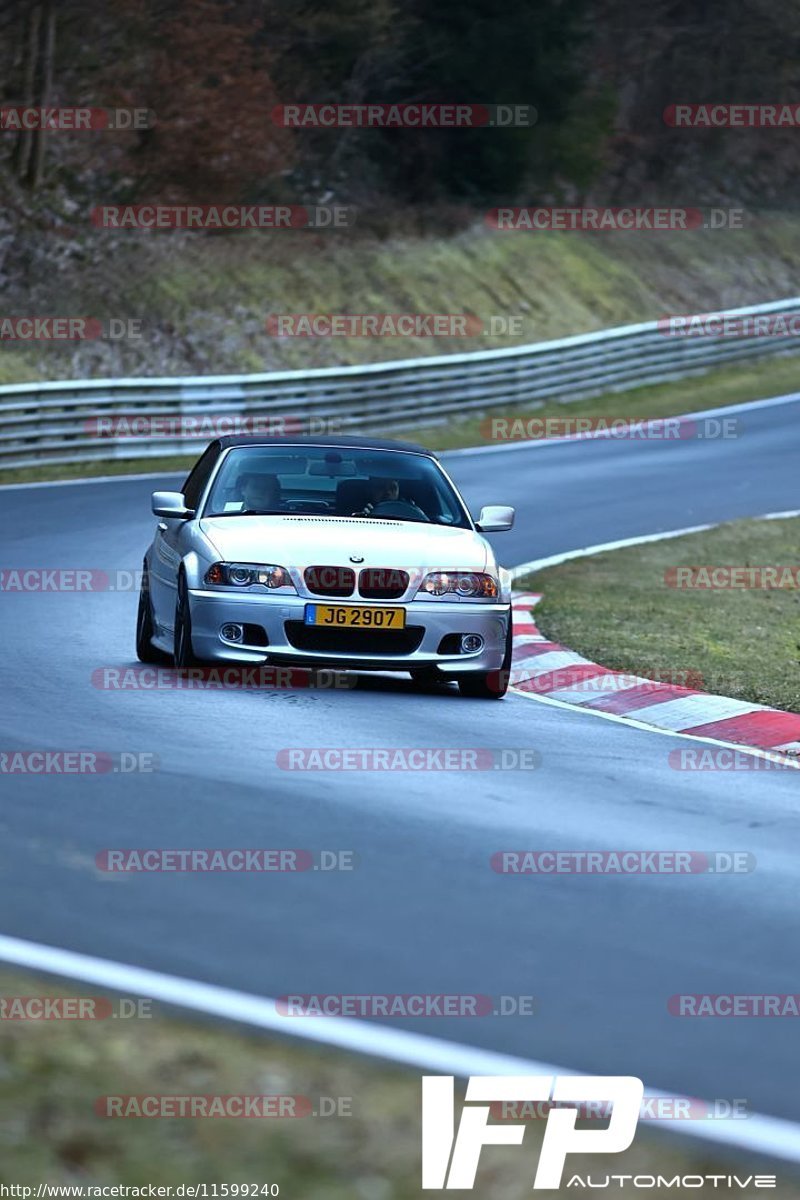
(54, 1071)
(617, 610)
(729, 385)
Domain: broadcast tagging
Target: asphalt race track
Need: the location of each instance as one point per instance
(423, 911)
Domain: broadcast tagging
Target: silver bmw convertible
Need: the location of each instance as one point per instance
(346, 553)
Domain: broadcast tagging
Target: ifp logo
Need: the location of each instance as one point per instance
(441, 1150)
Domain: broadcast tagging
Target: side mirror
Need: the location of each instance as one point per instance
(171, 504)
(495, 518)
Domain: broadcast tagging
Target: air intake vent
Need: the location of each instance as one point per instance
(330, 581)
(382, 583)
(357, 643)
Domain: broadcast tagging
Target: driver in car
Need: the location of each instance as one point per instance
(261, 493)
(387, 491)
(379, 490)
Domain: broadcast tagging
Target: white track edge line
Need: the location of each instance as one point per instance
(773, 1136)
(555, 560)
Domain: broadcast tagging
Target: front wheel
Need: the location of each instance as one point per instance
(146, 652)
(490, 685)
(184, 651)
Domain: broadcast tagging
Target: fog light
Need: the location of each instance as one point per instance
(232, 633)
(471, 642)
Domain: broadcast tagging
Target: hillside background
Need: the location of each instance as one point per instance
(600, 74)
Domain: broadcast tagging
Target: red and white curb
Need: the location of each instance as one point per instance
(548, 669)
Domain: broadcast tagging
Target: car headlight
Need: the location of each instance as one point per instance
(469, 585)
(242, 575)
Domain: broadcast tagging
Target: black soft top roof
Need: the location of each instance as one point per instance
(353, 442)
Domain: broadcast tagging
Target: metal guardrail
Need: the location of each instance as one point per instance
(58, 422)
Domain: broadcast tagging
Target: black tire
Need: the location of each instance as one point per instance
(490, 685)
(146, 652)
(183, 653)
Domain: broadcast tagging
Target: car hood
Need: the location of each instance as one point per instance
(304, 541)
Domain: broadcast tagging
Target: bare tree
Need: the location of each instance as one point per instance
(37, 58)
(44, 87)
(24, 146)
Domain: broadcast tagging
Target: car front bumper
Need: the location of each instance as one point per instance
(281, 618)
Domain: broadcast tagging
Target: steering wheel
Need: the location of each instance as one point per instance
(399, 508)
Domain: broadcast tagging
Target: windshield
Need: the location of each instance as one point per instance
(347, 482)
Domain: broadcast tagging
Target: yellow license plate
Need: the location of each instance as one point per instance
(352, 616)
